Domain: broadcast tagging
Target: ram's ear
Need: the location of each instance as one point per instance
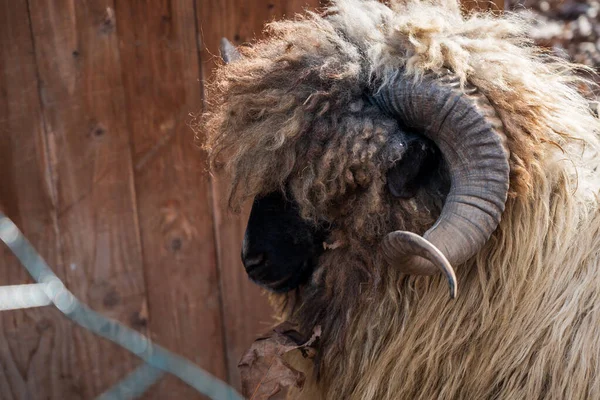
(228, 51)
(420, 159)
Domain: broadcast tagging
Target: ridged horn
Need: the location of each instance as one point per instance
(470, 135)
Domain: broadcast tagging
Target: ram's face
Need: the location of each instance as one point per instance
(370, 161)
(281, 248)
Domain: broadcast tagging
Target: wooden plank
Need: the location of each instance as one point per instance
(34, 345)
(246, 310)
(499, 5)
(161, 76)
(471, 5)
(77, 53)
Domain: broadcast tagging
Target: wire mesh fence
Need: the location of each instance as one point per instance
(50, 290)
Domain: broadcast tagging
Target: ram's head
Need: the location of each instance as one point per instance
(389, 167)
(427, 133)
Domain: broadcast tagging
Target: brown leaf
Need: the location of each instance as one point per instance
(264, 371)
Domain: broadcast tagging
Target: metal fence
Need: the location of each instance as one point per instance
(50, 290)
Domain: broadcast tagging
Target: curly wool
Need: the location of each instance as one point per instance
(301, 80)
(291, 115)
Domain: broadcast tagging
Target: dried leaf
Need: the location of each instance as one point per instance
(264, 371)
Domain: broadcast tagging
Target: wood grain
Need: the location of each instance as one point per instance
(161, 76)
(246, 310)
(83, 104)
(34, 344)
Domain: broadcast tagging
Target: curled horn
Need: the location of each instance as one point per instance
(228, 51)
(470, 135)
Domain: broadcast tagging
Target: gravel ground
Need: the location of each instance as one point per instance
(571, 28)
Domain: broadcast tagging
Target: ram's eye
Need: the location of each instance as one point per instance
(415, 168)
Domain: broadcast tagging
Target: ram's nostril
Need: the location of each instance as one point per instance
(252, 261)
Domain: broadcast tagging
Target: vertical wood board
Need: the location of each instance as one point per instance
(159, 58)
(77, 55)
(34, 344)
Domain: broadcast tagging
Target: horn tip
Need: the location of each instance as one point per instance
(403, 244)
(453, 289)
(229, 53)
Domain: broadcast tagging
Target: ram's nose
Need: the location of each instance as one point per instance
(252, 259)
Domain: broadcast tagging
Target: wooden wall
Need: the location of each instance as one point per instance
(99, 169)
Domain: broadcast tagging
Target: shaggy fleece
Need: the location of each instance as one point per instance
(292, 115)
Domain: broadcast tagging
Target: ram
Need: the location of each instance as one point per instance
(381, 143)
